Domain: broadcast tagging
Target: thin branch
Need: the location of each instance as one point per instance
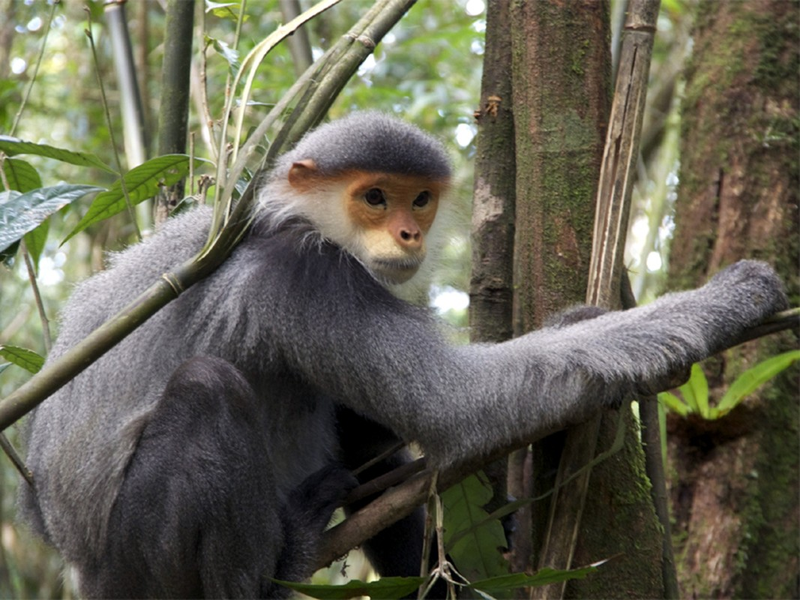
(608, 241)
(173, 118)
(128, 203)
(48, 343)
(6, 446)
(134, 134)
(654, 467)
(381, 457)
(27, 95)
(299, 43)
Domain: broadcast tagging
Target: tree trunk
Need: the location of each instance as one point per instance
(735, 480)
(491, 283)
(561, 98)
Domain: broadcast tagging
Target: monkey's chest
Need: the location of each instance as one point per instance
(300, 434)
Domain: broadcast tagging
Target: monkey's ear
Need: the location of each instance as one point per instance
(302, 173)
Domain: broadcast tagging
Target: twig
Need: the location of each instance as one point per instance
(37, 297)
(382, 456)
(173, 117)
(385, 481)
(654, 467)
(128, 203)
(12, 454)
(299, 43)
(610, 227)
(27, 95)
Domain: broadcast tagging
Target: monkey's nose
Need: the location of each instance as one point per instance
(411, 238)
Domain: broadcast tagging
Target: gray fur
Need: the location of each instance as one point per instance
(308, 330)
(394, 147)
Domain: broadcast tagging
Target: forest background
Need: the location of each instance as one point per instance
(717, 180)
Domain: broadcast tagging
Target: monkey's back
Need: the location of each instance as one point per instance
(102, 412)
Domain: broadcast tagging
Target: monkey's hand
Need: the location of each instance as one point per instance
(742, 296)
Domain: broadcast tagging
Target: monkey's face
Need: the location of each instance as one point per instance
(381, 218)
(392, 215)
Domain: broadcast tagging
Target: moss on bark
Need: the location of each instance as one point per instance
(737, 481)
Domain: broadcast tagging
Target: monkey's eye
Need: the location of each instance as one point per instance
(375, 197)
(422, 199)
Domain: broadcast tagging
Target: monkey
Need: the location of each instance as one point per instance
(203, 455)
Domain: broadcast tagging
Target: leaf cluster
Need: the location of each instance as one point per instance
(694, 395)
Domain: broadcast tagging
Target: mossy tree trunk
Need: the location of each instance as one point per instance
(491, 283)
(735, 481)
(561, 99)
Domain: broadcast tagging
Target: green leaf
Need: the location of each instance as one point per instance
(217, 5)
(21, 176)
(695, 391)
(687, 391)
(21, 213)
(228, 53)
(699, 385)
(142, 183)
(7, 255)
(13, 146)
(35, 241)
(27, 359)
(755, 377)
(387, 587)
(471, 539)
(674, 403)
(545, 576)
(4, 366)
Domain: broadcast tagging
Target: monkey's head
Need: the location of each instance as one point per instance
(369, 183)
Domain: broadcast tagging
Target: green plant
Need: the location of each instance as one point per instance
(695, 391)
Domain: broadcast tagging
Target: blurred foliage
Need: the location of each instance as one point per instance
(427, 69)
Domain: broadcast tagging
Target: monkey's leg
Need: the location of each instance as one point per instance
(197, 514)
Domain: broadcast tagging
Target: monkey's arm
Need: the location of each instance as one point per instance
(384, 359)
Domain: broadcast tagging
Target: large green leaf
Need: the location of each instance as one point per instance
(21, 176)
(21, 213)
(695, 391)
(35, 241)
(387, 587)
(699, 385)
(13, 146)
(674, 403)
(141, 183)
(749, 381)
(27, 359)
(471, 540)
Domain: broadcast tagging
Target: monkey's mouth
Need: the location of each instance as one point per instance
(398, 270)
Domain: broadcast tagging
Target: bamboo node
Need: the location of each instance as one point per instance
(174, 283)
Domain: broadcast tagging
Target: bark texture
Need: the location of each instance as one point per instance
(491, 284)
(561, 93)
(735, 482)
(561, 69)
(561, 100)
